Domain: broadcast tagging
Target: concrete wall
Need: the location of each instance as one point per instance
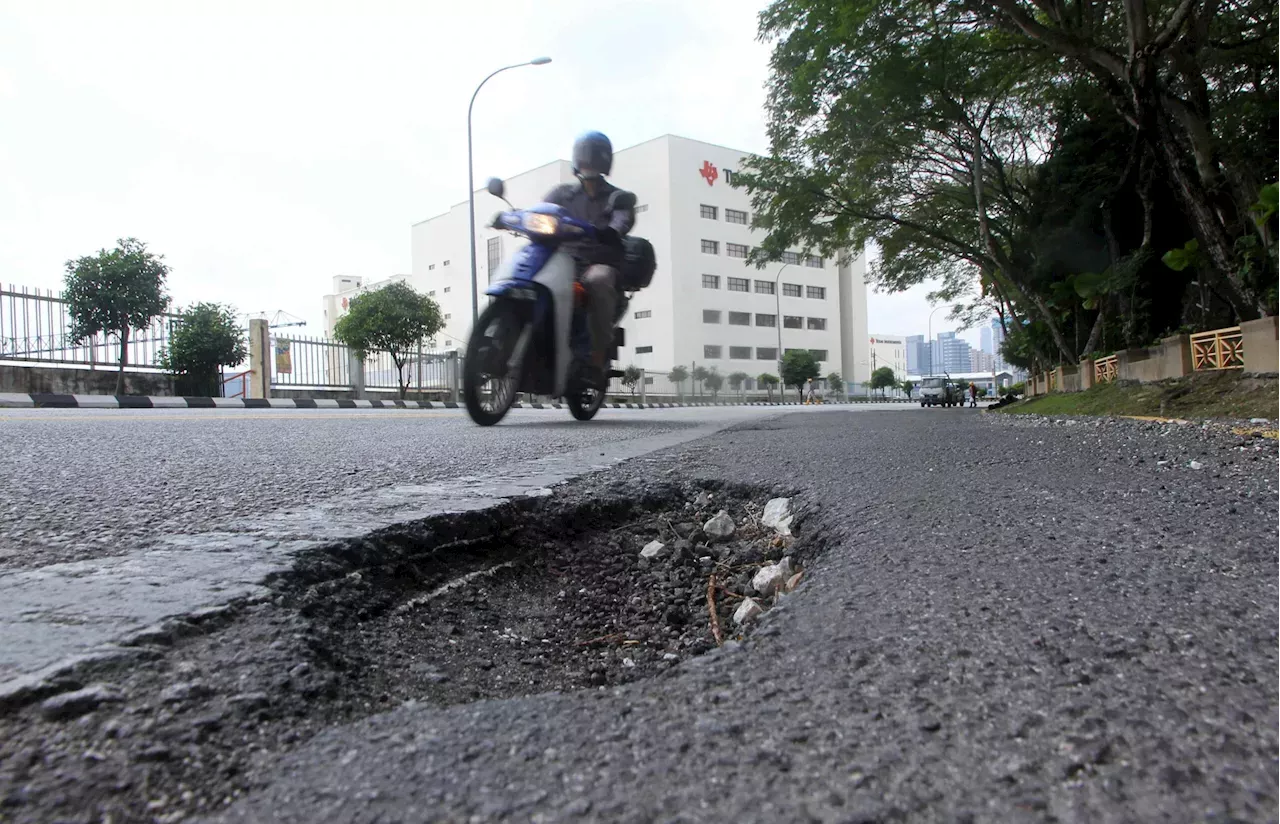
(1261, 355)
(36, 380)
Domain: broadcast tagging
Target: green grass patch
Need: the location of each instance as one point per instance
(1205, 396)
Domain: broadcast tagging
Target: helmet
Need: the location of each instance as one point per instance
(592, 155)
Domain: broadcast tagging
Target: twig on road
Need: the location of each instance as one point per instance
(711, 608)
(602, 639)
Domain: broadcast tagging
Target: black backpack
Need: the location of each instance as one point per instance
(638, 263)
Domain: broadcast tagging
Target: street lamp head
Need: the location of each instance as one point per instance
(540, 61)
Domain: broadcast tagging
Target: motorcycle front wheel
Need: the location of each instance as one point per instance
(489, 385)
(584, 405)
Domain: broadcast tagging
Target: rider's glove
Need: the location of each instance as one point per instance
(496, 222)
(609, 236)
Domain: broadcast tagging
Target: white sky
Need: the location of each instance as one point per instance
(265, 146)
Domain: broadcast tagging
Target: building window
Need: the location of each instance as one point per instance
(710, 247)
(818, 324)
(710, 281)
(430, 267)
(813, 262)
(710, 315)
(734, 216)
(816, 292)
(446, 263)
(739, 353)
(645, 313)
(709, 212)
(495, 255)
(792, 322)
(766, 353)
(739, 318)
(791, 290)
(739, 285)
(648, 381)
(818, 354)
(767, 320)
(736, 250)
(447, 317)
(711, 352)
(446, 289)
(432, 293)
(765, 287)
(644, 350)
(791, 257)
(644, 207)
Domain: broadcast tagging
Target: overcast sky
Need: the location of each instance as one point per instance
(265, 146)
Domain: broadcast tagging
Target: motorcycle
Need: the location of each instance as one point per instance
(533, 337)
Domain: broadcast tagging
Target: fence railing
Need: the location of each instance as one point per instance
(1218, 349)
(36, 327)
(1105, 369)
(322, 363)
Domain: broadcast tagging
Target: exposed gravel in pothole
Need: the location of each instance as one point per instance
(548, 597)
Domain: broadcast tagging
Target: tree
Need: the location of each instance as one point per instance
(207, 336)
(714, 381)
(798, 367)
(631, 377)
(768, 381)
(882, 379)
(114, 292)
(699, 374)
(908, 387)
(835, 382)
(736, 380)
(678, 376)
(394, 318)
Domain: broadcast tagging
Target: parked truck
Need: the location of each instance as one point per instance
(940, 391)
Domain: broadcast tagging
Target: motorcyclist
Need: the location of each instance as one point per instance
(593, 199)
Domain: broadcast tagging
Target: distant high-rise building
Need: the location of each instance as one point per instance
(996, 331)
(985, 340)
(952, 353)
(915, 354)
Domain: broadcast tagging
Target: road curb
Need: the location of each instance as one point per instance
(57, 401)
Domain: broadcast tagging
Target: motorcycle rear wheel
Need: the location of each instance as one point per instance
(487, 388)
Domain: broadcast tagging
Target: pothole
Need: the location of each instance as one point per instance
(558, 606)
(531, 597)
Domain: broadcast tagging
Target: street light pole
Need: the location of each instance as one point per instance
(777, 318)
(471, 182)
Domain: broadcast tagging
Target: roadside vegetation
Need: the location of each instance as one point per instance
(1216, 395)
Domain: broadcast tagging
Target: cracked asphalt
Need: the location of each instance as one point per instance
(1006, 620)
(1012, 621)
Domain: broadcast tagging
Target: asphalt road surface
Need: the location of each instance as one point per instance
(1007, 620)
(1011, 623)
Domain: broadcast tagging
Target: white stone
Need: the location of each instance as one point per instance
(628, 663)
(721, 526)
(792, 582)
(1259, 420)
(768, 580)
(652, 549)
(777, 516)
(747, 610)
(670, 656)
(1196, 465)
(785, 567)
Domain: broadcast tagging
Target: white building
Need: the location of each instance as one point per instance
(705, 307)
(890, 351)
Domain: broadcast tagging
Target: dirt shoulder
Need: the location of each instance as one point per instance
(1222, 395)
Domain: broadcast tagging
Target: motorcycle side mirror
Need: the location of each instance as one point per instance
(496, 187)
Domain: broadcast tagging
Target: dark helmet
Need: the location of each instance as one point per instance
(592, 155)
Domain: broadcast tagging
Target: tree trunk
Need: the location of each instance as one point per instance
(124, 358)
(401, 382)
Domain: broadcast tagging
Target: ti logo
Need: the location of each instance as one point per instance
(345, 303)
(708, 172)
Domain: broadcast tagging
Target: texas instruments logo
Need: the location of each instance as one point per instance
(709, 172)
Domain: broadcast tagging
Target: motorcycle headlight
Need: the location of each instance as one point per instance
(541, 224)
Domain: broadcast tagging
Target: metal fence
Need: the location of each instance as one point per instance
(36, 326)
(321, 363)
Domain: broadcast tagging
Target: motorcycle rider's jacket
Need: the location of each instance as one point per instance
(599, 211)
